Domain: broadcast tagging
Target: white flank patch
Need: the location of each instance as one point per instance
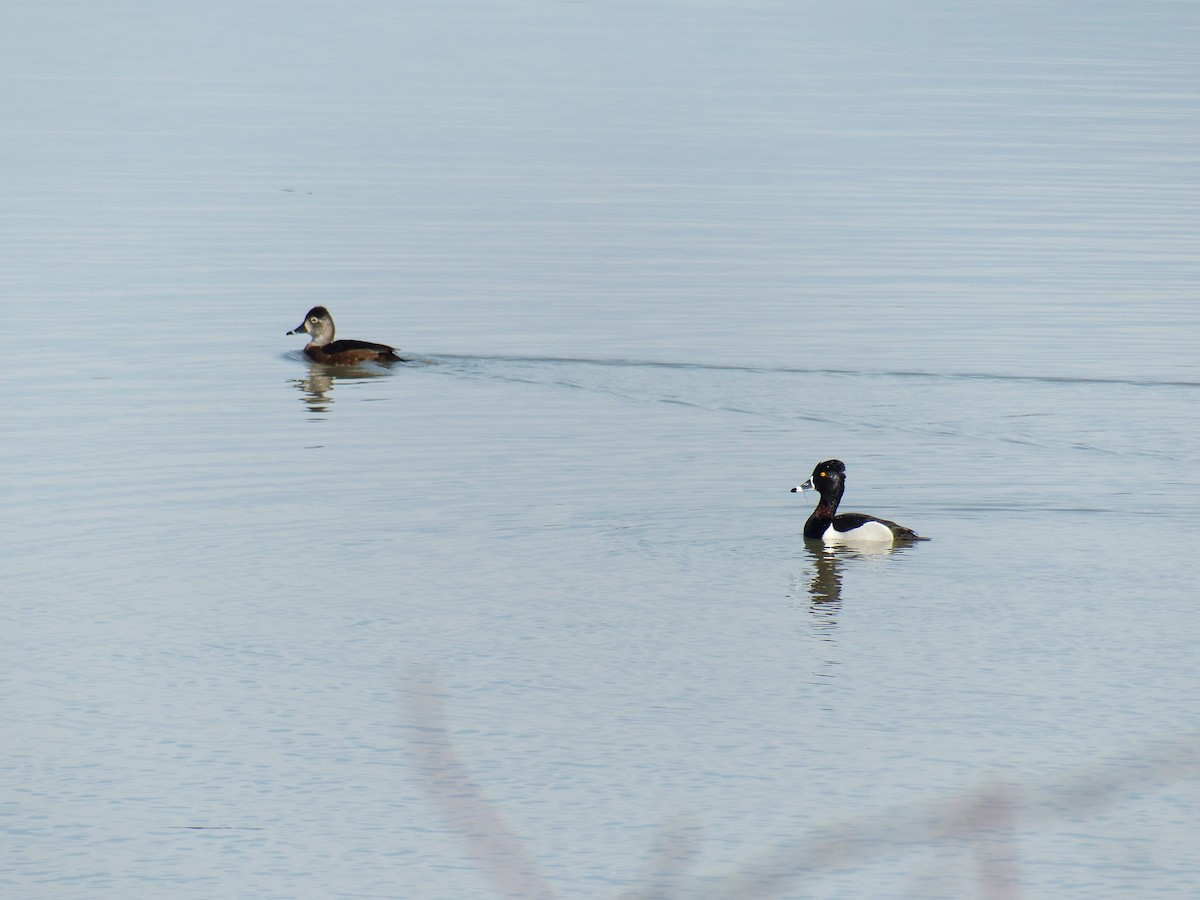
(875, 532)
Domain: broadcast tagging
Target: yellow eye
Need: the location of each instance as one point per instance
(820, 474)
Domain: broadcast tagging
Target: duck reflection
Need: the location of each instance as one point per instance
(318, 386)
(315, 388)
(825, 584)
(825, 581)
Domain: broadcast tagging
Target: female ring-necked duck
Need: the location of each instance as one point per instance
(829, 479)
(318, 324)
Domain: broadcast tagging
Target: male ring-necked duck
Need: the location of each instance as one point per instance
(318, 324)
(829, 479)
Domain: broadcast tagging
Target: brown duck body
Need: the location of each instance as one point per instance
(318, 324)
(351, 353)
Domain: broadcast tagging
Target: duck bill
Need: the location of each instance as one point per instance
(801, 488)
(302, 328)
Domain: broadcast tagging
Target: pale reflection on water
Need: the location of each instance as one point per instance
(318, 386)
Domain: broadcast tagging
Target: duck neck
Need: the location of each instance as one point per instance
(321, 336)
(823, 515)
(827, 508)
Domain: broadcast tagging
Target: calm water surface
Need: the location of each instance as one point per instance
(653, 262)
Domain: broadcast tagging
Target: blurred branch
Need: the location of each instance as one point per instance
(984, 822)
(487, 838)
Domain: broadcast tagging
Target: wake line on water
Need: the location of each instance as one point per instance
(539, 370)
(624, 363)
(624, 394)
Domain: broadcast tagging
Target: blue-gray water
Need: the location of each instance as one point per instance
(655, 260)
